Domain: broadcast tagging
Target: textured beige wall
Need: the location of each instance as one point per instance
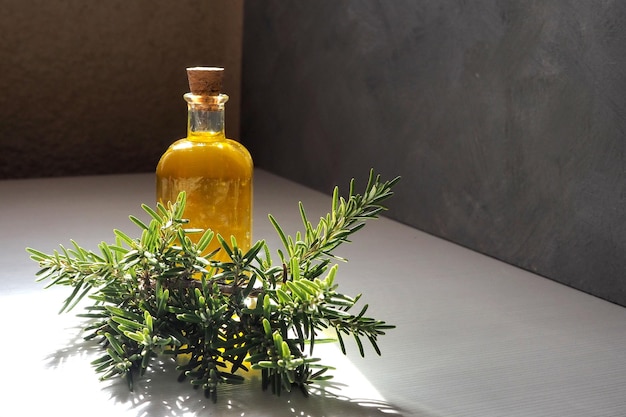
(93, 87)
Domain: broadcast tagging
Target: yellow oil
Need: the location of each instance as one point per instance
(216, 174)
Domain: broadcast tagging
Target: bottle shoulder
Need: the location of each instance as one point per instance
(206, 158)
(223, 147)
(208, 141)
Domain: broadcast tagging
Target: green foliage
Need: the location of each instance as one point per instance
(160, 295)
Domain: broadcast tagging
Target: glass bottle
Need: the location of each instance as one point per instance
(214, 171)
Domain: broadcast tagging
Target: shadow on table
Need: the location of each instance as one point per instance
(158, 393)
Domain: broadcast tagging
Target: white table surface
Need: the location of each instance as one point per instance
(474, 336)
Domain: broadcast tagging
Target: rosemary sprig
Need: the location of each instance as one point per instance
(159, 295)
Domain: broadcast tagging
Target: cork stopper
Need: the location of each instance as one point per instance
(205, 81)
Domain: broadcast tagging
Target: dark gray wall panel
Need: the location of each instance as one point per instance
(506, 119)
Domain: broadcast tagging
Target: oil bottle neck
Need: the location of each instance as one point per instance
(205, 114)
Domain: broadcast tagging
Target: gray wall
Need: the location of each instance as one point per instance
(506, 119)
(95, 87)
